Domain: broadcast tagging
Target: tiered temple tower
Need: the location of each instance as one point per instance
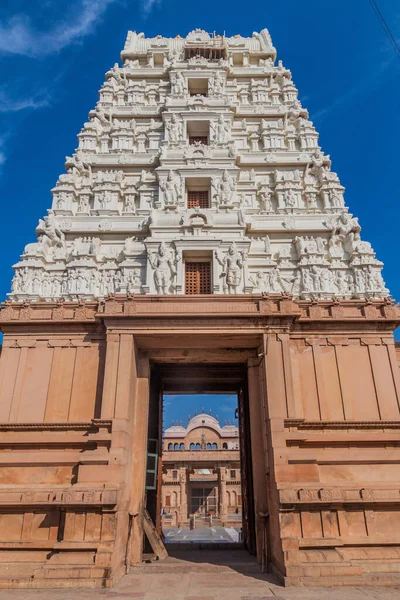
(198, 171)
(198, 242)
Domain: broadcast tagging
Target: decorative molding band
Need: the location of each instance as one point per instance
(93, 497)
(329, 495)
(93, 424)
(303, 424)
(264, 305)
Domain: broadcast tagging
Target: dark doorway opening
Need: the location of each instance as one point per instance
(202, 487)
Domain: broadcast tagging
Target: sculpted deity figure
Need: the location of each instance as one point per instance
(175, 130)
(277, 283)
(217, 84)
(50, 235)
(264, 197)
(134, 278)
(164, 268)
(336, 199)
(178, 84)
(101, 119)
(225, 186)
(79, 167)
(341, 284)
(83, 204)
(318, 167)
(118, 76)
(290, 199)
(260, 281)
(345, 233)
(171, 190)
(221, 130)
(232, 264)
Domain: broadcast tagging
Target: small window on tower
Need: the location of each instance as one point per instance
(197, 198)
(198, 87)
(197, 278)
(233, 474)
(174, 474)
(198, 132)
(198, 192)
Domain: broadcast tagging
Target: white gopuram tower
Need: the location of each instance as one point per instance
(198, 171)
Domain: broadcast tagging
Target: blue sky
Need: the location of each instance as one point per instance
(53, 56)
(179, 408)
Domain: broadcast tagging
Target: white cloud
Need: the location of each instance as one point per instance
(361, 87)
(148, 6)
(17, 36)
(3, 157)
(9, 105)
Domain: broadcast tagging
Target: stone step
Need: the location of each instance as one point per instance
(201, 561)
(366, 580)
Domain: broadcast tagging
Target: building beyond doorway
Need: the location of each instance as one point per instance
(201, 481)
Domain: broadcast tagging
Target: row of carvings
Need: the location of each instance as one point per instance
(344, 241)
(122, 136)
(108, 124)
(123, 85)
(59, 497)
(315, 173)
(307, 281)
(315, 189)
(171, 196)
(277, 305)
(337, 494)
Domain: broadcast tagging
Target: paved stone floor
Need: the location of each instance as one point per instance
(201, 535)
(202, 575)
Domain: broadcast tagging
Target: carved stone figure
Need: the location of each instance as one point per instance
(178, 84)
(232, 263)
(260, 281)
(79, 167)
(217, 84)
(164, 268)
(50, 234)
(224, 189)
(290, 199)
(171, 188)
(336, 199)
(174, 128)
(264, 198)
(221, 130)
(345, 233)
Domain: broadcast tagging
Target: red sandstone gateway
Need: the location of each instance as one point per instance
(199, 242)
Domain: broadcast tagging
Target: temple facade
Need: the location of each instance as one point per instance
(201, 474)
(199, 242)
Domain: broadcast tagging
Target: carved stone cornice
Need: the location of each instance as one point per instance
(332, 495)
(324, 425)
(60, 497)
(256, 305)
(84, 425)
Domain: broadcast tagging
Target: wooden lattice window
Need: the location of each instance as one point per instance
(198, 139)
(198, 278)
(197, 198)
